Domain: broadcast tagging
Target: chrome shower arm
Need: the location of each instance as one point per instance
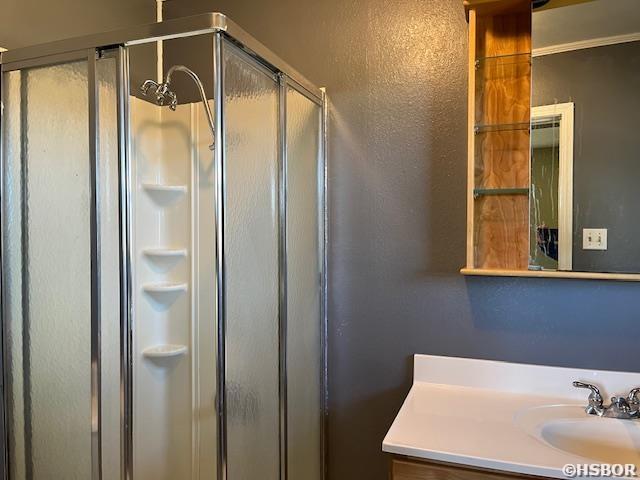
(203, 96)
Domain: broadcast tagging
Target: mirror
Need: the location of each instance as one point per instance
(585, 137)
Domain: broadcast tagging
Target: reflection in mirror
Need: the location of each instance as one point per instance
(585, 149)
(551, 187)
(544, 193)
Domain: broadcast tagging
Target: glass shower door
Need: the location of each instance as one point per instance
(304, 185)
(50, 259)
(251, 260)
(47, 180)
(273, 270)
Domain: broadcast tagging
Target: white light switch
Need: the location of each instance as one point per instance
(594, 238)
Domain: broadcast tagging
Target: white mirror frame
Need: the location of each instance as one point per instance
(564, 114)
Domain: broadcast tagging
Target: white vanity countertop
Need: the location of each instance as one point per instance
(464, 411)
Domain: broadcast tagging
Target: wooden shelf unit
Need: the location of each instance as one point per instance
(499, 155)
(499, 134)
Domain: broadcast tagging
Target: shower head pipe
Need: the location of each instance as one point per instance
(163, 92)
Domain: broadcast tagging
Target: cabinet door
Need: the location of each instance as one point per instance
(402, 469)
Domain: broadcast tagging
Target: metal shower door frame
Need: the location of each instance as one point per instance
(4, 430)
(125, 214)
(220, 195)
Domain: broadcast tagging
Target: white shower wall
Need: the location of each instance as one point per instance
(174, 309)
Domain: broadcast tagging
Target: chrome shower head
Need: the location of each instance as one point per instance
(161, 92)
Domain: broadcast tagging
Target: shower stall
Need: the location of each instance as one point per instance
(163, 258)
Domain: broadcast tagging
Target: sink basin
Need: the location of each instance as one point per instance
(604, 439)
(570, 429)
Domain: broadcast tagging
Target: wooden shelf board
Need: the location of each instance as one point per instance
(491, 6)
(481, 272)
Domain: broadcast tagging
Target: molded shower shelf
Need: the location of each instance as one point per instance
(165, 351)
(156, 187)
(165, 287)
(165, 252)
(164, 194)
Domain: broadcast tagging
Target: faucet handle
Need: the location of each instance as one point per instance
(595, 398)
(148, 85)
(633, 396)
(621, 404)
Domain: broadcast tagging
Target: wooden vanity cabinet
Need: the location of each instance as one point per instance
(404, 468)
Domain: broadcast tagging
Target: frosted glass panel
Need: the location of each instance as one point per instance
(48, 279)
(12, 259)
(251, 244)
(303, 288)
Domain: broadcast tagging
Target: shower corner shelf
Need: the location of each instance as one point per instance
(165, 351)
(165, 252)
(164, 193)
(165, 287)
(157, 187)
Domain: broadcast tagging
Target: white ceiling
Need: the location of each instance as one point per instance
(585, 21)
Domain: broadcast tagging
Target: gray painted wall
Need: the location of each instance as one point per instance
(603, 84)
(30, 22)
(396, 75)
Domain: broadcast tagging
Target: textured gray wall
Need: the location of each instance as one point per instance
(30, 22)
(396, 75)
(603, 84)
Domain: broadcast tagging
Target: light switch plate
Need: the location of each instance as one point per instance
(594, 238)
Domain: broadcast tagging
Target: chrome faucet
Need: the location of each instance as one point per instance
(623, 408)
(161, 92)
